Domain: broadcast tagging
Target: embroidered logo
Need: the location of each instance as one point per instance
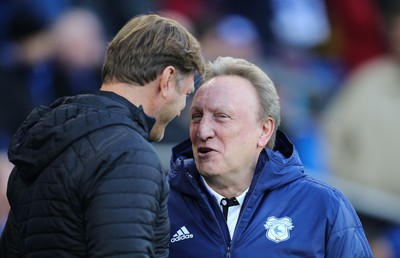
(182, 234)
(278, 229)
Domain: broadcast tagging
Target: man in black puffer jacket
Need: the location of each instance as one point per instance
(86, 181)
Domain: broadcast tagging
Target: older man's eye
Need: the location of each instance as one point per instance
(196, 117)
(222, 115)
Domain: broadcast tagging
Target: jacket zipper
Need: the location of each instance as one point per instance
(228, 251)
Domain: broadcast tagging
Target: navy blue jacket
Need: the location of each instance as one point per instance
(285, 213)
(86, 182)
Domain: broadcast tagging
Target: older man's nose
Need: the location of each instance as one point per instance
(205, 130)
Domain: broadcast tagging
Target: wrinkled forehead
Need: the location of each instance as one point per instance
(225, 90)
(212, 90)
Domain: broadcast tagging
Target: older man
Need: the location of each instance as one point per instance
(238, 188)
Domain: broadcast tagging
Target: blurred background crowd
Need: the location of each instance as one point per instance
(335, 63)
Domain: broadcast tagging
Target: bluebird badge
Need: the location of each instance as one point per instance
(278, 229)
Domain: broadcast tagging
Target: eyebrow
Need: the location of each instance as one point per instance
(195, 108)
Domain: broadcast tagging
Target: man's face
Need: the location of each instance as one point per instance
(172, 106)
(225, 127)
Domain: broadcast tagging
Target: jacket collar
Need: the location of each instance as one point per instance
(138, 114)
(274, 167)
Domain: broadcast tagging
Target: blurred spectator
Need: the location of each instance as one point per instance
(25, 76)
(79, 45)
(231, 35)
(26, 49)
(47, 61)
(303, 76)
(357, 30)
(259, 12)
(362, 126)
(301, 23)
(305, 81)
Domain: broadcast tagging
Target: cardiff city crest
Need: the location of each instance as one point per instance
(278, 229)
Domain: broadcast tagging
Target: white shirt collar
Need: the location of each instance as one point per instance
(234, 211)
(219, 197)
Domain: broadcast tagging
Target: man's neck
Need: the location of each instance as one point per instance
(228, 188)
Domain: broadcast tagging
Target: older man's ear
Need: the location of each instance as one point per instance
(266, 133)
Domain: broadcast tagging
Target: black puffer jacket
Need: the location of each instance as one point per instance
(86, 182)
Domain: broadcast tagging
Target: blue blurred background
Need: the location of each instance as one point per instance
(335, 63)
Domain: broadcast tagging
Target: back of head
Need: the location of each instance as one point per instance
(145, 46)
(265, 88)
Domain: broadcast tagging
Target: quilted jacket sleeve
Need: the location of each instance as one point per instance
(163, 225)
(125, 201)
(347, 238)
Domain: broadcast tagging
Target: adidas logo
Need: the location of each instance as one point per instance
(181, 234)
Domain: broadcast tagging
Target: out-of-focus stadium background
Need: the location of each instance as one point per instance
(335, 63)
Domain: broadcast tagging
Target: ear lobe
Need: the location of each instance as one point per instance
(266, 133)
(165, 81)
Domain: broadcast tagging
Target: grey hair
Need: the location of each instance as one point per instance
(265, 88)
